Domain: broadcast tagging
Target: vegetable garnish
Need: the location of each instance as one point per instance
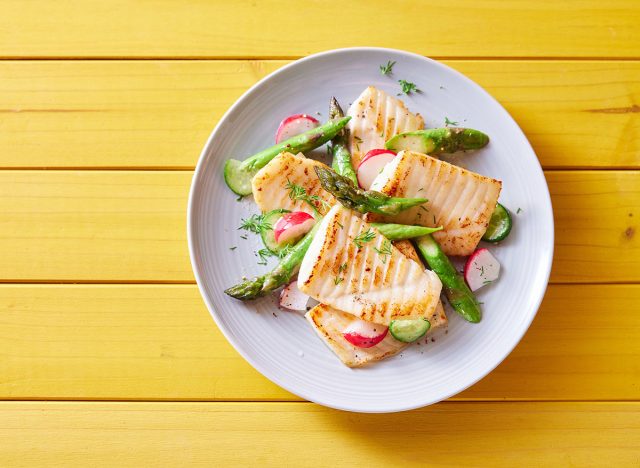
(264, 254)
(408, 87)
(448, 122)
(387, 69)
(384, 250)
(337, 280)
(363, 238)
(298, 192)
(255, 223)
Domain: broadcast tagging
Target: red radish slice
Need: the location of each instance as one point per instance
(295, 125)
(365, 334)
(481, 269)
(292, 298)
(371, 165)
(292, 225)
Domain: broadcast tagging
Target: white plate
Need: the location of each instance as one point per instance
(281, 345)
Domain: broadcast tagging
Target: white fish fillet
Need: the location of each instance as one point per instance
(330, 324)
(376, 117)
(459, 200)
(269, 184)
(365, 281)
(439, 318)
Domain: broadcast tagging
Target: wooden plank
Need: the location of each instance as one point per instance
(302, 434)
(125, 342)
(582, 28)
(122, 226)
(158, 114)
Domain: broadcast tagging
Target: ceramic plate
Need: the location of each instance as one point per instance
(281, 345)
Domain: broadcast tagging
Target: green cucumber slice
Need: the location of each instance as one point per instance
(499, 225)
(267, 235)
(237, 177)
(409, 330)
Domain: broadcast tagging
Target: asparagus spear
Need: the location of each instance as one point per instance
(279, 276)
(363, 201)
(439, 140)
(458, 293)
(403, 231)
(290, 263)
(341, 156)
(238, 174)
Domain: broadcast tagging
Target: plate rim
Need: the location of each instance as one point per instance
(548, 261)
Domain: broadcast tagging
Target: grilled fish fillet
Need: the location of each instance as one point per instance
(330, 324)
(459, 200)
(376, 117)
(353, 268)
(439, 318)
(269, 184)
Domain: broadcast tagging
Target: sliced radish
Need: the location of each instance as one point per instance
(481, 269)
(292, 225)
(295, 125)
(372, 164)
(292, 298)
(365, 334)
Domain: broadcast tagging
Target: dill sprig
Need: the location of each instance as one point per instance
(298, 192)
(384, 250)
(364, 237)
(448, 122)
(387, 69)
(255, 223)
(408, 87)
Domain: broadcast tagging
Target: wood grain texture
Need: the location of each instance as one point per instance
(142, 342)
(582, 28)
(158, 114)
(303, 435)
(117, 226)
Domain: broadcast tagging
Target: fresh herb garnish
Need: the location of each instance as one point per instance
(358, 140)
(244, 236)
(340, 224)
(487, 282)
(284, 252)
(255, 223)
(387, 69)
(297, 192)
(337, 280)
(364, 237)
(448, 122)
(384, 250)
(408, 87)
(264, 254)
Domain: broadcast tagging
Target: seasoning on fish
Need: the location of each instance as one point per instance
(460, 201)
(353, 268)
(289, 182)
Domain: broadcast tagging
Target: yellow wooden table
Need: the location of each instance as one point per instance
(107, 353)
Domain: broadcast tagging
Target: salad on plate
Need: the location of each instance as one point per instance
(368, 239)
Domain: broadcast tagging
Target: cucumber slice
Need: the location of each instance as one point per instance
(237, 177)
(499, 225)
(268, 237)
(409, 330)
